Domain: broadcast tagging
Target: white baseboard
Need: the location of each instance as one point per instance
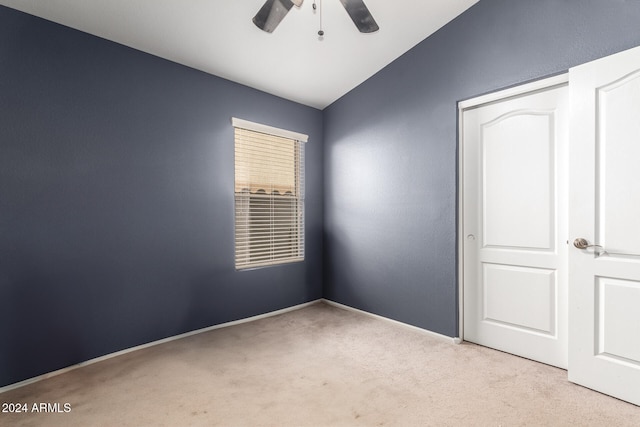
(453, 340)
(162, 341)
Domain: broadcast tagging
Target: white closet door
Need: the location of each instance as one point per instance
(604, 289)
(514, 230)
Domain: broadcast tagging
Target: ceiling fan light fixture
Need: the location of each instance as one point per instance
(274, 11)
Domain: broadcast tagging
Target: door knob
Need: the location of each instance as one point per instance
(582, 243)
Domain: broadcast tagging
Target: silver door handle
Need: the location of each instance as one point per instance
(582, 243)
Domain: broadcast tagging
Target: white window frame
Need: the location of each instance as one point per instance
(269, 224)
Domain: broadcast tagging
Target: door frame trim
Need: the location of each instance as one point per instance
(475, 102)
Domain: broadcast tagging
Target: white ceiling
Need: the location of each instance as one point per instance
(218, 37)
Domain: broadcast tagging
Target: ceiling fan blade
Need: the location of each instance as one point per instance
(271, 13)
(360, 15)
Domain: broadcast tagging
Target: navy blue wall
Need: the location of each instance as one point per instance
(390, 147)
(116, 199)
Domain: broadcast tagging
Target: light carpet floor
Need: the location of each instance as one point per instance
(317, 366)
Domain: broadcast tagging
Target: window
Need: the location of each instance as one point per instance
(269, 195)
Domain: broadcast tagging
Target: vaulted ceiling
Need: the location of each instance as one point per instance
(219, 37)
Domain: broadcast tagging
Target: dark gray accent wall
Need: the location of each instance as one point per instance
(391, 147)
(116, 199)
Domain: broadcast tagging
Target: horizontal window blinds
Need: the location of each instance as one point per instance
(269, 199)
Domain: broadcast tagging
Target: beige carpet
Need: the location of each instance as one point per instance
(318, 366)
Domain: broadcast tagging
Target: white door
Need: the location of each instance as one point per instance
(514, 221)
(604, 288)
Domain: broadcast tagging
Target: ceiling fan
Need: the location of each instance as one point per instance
(274, 11)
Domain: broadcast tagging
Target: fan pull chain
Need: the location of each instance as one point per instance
(320, 31)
